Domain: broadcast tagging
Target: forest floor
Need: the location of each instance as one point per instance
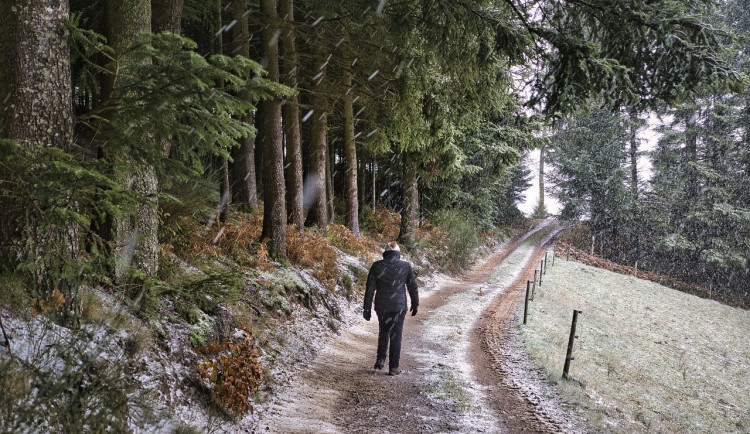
(463, 369)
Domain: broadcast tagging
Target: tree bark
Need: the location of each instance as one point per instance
(39, 103)
(330, 152)
(410, 211)
(274, 204)
(350, 155)
(7, 76)
(361, 176)
(225, 191)
(125, 20)
(541, 211)
(242, 168)
(290, 114)
(317, 164)
(691, 153)
(166, 16)
(374, 184)
(634, 156)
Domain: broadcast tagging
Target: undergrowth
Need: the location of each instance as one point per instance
(311, 249)
(233, 373)
(452, 240)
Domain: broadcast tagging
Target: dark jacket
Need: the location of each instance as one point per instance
(387, 281)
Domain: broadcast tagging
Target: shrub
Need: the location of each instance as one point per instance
(453, 239)
(310, 249)
(237, 236)
(342, 238)
(382, 223)
(233, 373)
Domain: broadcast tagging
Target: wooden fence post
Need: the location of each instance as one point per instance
(569, 355)
(541, 268)
(526, 303)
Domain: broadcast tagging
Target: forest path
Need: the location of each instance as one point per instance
(455, 361)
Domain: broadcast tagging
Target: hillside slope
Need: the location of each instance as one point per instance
(648, 358)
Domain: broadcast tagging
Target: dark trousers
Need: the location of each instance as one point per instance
(391, 326)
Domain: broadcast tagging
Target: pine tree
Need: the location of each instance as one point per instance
(274, 205)
(242, 169)
(290, 115)
(135, 235)
(590, 180)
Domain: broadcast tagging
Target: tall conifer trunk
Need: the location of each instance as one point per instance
(7, 40)
(166, 16)
(330, 153)
(242, 169)
(290, 114)
(225, 191)
(125, 20)
(40, 114)
(374, 183)
(634, 156)
(410, 211)
(691, 153)
(318, 144)
(274, 204)
(541, 211)
(350, 151)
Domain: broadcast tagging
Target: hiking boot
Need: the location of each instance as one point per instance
(379, 364)
(394, 371)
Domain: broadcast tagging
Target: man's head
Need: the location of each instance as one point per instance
(392, 245)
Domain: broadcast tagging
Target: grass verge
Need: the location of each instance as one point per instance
(648, 358)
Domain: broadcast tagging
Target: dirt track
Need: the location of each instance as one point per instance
(457, 363)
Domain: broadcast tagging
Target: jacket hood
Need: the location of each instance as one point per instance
(391, 254)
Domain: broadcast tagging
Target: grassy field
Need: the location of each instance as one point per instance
(648, 358)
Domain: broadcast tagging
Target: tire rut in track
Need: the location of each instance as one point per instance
(494, 357)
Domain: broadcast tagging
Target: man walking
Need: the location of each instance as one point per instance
(387, 282)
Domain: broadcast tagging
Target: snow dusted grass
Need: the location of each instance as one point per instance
(648, 358)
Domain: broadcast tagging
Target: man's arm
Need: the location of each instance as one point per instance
(369, 293)
(411, 285)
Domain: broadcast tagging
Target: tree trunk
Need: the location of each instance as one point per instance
(225, 191)
(634, 156)
(7, 65)
(274, 205)
(691, 151)
(350, 151)
(361, 176)
(410, 211)
(290, 114)
(242, 169)
(541, 211)
(125, 20)
(374, 178)
(40, 114)
(41, 103)
(317, 165)
(330, 152)
(166, 16)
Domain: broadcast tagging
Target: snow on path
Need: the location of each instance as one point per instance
(451, 323)
(339, 392)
